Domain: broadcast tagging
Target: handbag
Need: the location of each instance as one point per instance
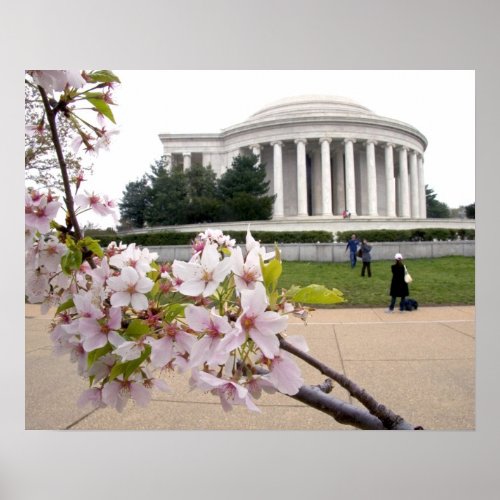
(408, 278)
(359, 253)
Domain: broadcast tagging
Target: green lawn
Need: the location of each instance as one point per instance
(440, 281)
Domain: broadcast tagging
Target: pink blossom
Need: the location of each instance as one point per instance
(210, 348)
(284, 374)
(98, 204)
(246, 272)
(202, 277)
(91, 396)
(117, 393)
(261, 325)
(97, 333)
(85, 307)
(174, 343)
(56, 80)
(229, 392)
(130, 288)
(139, 259)
(38, 216)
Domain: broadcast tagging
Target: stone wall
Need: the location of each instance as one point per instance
(335, 252)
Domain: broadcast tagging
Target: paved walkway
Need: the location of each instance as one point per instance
(421, 364)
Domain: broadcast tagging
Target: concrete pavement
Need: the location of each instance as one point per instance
(421, 364)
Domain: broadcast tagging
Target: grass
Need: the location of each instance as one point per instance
(439, 281)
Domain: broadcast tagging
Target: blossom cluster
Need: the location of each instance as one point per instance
(72, 88)
(125, 319)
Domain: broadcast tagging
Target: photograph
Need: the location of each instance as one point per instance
(225, 252)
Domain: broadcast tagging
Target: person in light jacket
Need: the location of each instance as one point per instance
(366, 258)
(399, 287)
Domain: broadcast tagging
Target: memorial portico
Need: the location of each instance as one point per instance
(322, 155)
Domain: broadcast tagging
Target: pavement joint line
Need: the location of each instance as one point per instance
(458, 331)
(389, 322)
(216, 403)
(80, 419)
(344, 371)
(363, 360)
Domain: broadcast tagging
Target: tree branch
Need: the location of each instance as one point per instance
(51, 117)
(389, 419)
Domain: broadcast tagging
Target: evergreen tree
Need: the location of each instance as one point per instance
(135, 200)
(435, 209)
(169, 196)
(243, 191)
(203, 204)
(470, 211)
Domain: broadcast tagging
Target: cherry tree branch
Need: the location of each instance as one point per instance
(387, 417)
(51, 118)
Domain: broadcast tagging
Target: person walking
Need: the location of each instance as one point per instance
(352, 245)
(399, 287)
(366, 258)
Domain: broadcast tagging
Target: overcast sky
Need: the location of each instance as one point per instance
(439, 103)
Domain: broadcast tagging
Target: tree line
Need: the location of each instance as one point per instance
(195, 195)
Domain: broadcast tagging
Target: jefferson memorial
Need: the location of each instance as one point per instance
(323, 155)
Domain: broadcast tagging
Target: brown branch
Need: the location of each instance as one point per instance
(68, 198)
(51, 118)
(389, 419)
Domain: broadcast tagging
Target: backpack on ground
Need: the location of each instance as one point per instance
(411, 305)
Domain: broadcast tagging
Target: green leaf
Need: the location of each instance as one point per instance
(135, 363)
(102, 107)
(98, 353)
(118, 369)
(65, 305)
(71, 261)
(318, 294)
(271, 273)
(136, 329)
(174, 311)
(92, 245)
(104, 76)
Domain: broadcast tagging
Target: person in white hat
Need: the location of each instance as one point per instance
(399, 287)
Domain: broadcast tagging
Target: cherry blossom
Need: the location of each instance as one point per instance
(56, 80)
(284, 374)
(38, 215)
(132, 256)
(229, 392)
(97, 333)
(117, 393)
(130, 288)
(246, 271)
(261, 325)
(203, 276)
(99, 204)
(217, 340)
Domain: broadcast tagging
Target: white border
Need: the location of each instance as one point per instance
(237, 34)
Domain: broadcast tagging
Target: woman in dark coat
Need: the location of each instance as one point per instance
(399, 287)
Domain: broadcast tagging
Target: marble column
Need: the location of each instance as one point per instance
(338, 181)
(326, 179)
(278, 178)
(421, 187)
(168, 161)
(301, 177)
(414, 190)
(256, 151)
(186, 161)
(371, 177)
(206, 159)
(405, 187)
(390, 182)
(350, 182)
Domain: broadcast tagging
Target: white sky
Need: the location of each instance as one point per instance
(439, 103)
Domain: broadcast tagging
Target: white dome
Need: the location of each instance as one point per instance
(311, 104)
